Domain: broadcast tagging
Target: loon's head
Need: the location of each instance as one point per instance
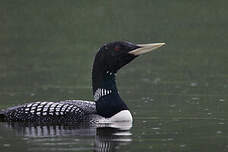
(111, 57)
(115, 55)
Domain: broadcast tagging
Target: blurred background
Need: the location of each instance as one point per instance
(177, 94)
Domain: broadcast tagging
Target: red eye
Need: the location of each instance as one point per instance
(116, 48)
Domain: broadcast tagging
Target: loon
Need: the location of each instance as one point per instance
(108, 106)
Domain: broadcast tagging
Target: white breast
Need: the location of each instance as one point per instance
(122, 116)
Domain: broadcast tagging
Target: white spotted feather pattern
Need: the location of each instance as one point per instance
(50, 108)
(46, 112)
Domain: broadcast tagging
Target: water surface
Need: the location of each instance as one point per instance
(177, 95)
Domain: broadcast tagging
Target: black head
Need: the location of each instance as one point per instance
(115, 55)
(109, 59)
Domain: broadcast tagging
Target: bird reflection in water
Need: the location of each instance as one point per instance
(72, 137)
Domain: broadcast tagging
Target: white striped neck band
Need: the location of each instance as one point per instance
(100, 93)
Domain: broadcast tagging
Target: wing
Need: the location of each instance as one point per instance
(51, 112)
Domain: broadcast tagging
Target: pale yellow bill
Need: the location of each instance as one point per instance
(145, 48)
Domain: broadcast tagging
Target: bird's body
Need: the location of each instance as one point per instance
(108, 106)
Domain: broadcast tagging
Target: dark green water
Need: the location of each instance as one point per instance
(177, 95)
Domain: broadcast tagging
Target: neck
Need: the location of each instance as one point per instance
(106, 96)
